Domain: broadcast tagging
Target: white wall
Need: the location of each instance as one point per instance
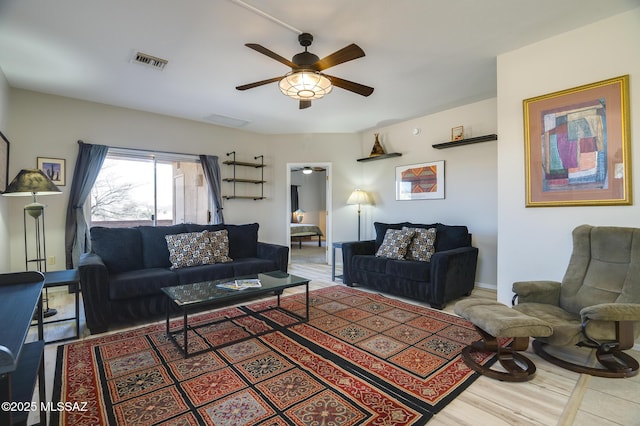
(50, 126)
(4, 209)
(470, 178)
(535, 243)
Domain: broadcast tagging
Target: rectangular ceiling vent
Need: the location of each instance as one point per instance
(150, 61)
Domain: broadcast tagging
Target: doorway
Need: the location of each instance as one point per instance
(310, 188)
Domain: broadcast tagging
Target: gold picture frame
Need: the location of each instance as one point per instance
(4, 162)
(577, 146)
(54, 168)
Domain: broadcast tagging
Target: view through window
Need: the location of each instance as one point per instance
(141, 188)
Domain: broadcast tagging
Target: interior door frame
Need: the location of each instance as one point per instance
(328, 205)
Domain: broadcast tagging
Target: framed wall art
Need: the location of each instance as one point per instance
(423, 181)
(54, 168)
(577, 146)
(4, 162)
(457, 133)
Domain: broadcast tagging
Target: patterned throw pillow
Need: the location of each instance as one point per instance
(198, 248)
(422, 244)
(395, 244)
(219, 245)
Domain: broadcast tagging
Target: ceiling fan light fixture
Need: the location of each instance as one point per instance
(307, 170)
(306, 85)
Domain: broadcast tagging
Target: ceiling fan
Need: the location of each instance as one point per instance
(307, 170)
(306, 81)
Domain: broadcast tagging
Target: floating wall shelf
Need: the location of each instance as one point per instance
(235, 180)
(380, 157)
(468, 141)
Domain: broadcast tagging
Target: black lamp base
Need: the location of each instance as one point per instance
(49, 312)
(46, 313)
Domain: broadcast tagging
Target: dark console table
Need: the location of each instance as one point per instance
(20, 363)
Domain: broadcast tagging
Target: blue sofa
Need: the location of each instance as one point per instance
(122, 276)
(450, 273)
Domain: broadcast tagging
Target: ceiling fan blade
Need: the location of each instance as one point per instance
(305, 104)
(258, 83)
(358, 88)
(271, 54)
(349, 53)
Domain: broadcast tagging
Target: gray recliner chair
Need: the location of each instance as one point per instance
(597, 304)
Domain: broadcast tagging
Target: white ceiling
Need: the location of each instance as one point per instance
(422, 56)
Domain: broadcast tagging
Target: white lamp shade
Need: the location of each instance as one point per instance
(305, 85)
(359, 196)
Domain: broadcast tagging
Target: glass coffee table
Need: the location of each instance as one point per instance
(190, 298)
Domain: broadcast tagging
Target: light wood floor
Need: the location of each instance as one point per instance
(553, 397)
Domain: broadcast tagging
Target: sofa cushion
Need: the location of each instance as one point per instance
(395, 244)
(369, 263)
(119, 248)
(201, 273)
(143, 282)
(422, 245)
(409, 269)
(197, 248)
(219, 245)
(450, 237)
(155, 253)
(243, 240)
(194, 227)
(381, 230)
(252, 265)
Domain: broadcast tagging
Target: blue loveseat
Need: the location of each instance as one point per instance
(448, 275)
(122, 276)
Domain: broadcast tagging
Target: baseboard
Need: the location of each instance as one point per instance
(493, 287)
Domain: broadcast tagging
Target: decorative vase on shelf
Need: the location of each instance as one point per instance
(377, 148)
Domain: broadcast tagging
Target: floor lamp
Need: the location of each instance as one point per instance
(359, 197)
(33, 182)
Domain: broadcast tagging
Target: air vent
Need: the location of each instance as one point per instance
(226, 121)
(150, 61)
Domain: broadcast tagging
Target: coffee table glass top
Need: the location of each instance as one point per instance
(207, 291)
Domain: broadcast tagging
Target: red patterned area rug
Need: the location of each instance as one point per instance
(362, 359)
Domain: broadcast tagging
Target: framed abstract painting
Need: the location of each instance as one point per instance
(423, 181)
(577, 146)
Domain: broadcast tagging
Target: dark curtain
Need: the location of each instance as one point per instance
(212, 174)
(294, 198)
(88, 165)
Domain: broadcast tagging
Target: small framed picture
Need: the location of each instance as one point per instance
(54, 168)
(457, 133)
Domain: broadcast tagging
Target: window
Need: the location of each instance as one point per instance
(147, 188)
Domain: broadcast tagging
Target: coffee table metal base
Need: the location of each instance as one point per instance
(184, 330)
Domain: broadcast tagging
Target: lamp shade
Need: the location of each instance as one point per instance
(31, 182)
(359, 197)
(305, 85)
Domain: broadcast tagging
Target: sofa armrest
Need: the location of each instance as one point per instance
(353, 248)
(611, 312)
(453, 274)
(547, 292)
(277, 253)
(94, 282)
